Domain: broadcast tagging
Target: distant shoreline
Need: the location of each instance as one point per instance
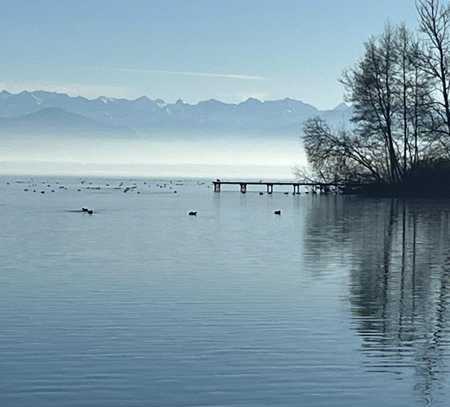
(404, 190)
(140, 170)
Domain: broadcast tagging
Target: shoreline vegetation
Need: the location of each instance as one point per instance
(398, 143)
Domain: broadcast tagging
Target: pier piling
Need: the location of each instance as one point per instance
(313, 186)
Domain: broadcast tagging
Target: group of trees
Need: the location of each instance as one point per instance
(400, 95)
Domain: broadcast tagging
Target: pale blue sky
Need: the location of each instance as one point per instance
(189, 49)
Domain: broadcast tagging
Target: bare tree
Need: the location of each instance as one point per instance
(434, 20)
(391, 98)
(421, 113)
(338, 156)
(405, 60)
(370, 87)
(414, 90)
(399, 91)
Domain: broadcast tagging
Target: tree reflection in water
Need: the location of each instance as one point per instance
(399, 256)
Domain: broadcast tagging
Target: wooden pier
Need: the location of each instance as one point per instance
(314, 186)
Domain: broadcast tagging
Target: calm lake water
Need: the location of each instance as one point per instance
(341, 301)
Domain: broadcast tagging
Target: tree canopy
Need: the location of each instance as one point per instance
(399, 93)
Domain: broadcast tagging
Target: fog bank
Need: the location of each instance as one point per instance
(247, 157)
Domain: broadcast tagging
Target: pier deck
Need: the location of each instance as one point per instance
(323, 187)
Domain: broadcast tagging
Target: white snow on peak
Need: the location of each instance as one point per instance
(106, 100)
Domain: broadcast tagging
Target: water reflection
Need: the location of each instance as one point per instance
(399, 281)
(340, 301)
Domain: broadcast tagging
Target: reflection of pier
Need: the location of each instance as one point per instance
(314, 186)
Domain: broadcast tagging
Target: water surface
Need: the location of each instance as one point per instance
(340, 301)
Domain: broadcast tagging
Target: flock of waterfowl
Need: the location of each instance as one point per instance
(44, 187)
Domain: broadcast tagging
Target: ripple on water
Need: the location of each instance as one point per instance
(341, 301)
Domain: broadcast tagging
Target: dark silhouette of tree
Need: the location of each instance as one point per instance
(339, 155)
(370, 87)
(434, 20)
(399, 92)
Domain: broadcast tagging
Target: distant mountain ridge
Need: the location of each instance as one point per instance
(53, 120)
(50, 112)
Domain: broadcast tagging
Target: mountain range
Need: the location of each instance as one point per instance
(42, 112)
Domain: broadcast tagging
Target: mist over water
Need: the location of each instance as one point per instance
(171, 155)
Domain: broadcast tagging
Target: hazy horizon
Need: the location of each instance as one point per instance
(56, 134)
(138, 157)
